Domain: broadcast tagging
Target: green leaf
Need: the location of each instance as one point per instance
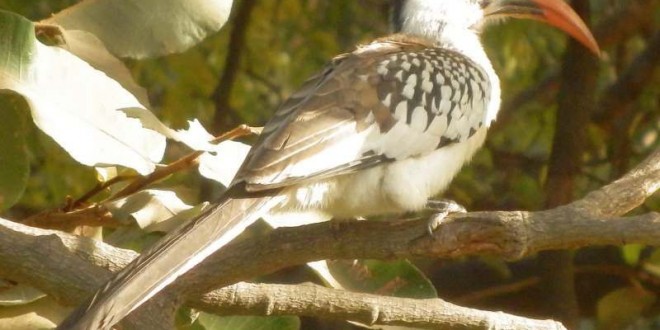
(15, 167)
(214, 322)
(391, 278)
(186, 319)
(146, 28)
(621, 308)
(631, 253)
(17, 42)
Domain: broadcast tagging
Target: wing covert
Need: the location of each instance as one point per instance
(387, 101)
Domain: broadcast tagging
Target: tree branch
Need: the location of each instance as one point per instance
(224, 115)
(70, 268)
(317, 301)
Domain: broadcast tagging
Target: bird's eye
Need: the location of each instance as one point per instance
(484, 3)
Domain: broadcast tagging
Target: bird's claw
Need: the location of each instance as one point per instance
(441, 208)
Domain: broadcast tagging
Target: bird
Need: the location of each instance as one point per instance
(379, 130)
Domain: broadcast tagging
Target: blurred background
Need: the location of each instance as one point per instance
(569, 124)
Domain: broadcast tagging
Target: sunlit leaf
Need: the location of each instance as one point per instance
(196, 136)
(148, 207)
(222, 164)
(145, 28)
(91, 50)
(104, 174)
(73, 103)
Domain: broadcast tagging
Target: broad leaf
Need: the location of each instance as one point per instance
(196, 136)
(149, 208)
(620, 308)
(223, 162)
(214, 322)
(91, 50)
(19, 295)
(14, 163)
(74, 103)
(390, 278)
(146, 28)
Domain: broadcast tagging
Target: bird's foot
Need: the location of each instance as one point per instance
(441, 208)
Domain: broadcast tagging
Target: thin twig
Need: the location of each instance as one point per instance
(188, 161)
(100, 187)
(498, 290)
(76, 213)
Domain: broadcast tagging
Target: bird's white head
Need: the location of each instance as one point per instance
(450, 21)
(453, 24)
(432, 17)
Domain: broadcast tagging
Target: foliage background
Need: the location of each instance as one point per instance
(269, 47)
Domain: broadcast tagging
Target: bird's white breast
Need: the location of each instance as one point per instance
(396, 187)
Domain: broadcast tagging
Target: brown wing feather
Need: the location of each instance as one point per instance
(340, 97)
(349, 96)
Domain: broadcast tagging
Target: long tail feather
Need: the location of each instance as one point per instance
(173, 255)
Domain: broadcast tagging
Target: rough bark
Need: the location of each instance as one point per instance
(69, 267)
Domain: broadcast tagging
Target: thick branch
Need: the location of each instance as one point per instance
(314, 300)
(70, 268)
(626, 193)
(511, 235)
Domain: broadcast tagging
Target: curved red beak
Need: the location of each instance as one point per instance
(554, 12)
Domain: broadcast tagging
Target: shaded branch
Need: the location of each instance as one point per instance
(70, 268)
(224, 115)
(623, 92)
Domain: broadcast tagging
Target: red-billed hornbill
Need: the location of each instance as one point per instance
(379, 130)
